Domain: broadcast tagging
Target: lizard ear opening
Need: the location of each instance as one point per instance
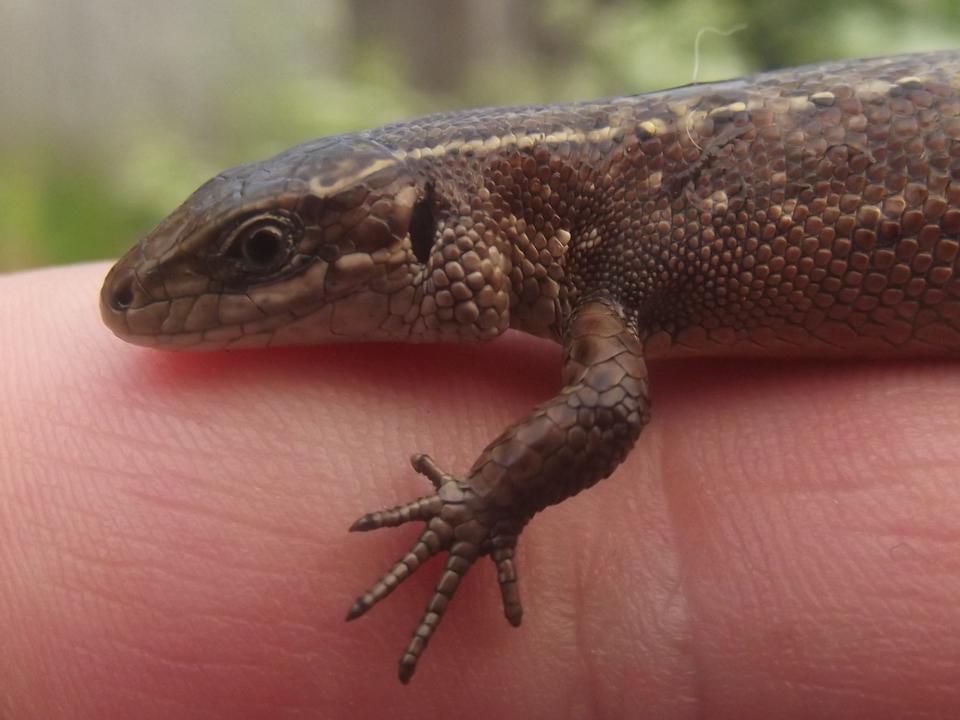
(423, 226)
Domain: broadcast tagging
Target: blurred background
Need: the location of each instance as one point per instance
(112, 111)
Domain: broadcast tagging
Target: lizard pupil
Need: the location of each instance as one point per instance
(263, 246)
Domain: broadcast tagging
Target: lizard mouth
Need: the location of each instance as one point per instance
(140, 308)
(193, 315)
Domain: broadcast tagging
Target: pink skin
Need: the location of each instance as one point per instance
(782, 543)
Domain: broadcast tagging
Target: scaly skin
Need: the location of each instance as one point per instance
(807, 211)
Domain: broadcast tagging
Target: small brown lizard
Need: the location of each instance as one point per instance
(808, 211)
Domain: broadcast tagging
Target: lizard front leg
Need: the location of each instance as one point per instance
(564, 446)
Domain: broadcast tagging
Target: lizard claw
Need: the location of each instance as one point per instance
(422, 508)
(458, 523)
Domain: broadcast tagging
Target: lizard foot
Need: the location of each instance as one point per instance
(460, 522)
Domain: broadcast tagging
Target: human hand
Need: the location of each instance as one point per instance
(781, 543)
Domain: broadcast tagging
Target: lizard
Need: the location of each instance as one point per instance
(810, 211)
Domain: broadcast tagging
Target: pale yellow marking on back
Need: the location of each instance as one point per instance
(484, 146)
(911, 82)
(655, 180)
(320, 190)
(524, 141)
(649, 127)
(724, 110)
(823, 98)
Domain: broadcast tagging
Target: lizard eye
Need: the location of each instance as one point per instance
(263, 243)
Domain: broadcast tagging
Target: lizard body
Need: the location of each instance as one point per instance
(807, 211)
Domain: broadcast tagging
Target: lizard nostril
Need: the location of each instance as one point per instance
(122, 294)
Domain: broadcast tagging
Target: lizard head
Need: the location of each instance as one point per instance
(337, 239)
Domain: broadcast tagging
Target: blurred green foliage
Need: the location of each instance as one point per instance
(73, 191)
